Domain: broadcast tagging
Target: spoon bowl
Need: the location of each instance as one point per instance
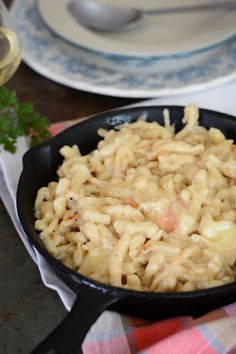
(102, 17)
(98, 16)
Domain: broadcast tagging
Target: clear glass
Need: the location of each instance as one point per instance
(10, 47)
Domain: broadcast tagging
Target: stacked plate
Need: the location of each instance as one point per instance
(165, 55)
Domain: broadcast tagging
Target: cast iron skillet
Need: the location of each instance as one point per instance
(39, 167)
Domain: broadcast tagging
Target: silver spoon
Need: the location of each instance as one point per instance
(98, 16)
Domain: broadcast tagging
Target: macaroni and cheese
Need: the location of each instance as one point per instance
(149, 209)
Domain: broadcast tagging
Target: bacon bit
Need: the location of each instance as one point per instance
(145, 147)
(233, 148)
(183, 203)
(176, 258)
(72, 217)
(146, 246)
(131, 202)
(168, 221)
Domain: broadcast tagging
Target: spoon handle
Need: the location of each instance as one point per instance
(226, 5)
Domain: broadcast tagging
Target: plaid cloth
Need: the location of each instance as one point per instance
(213, 333)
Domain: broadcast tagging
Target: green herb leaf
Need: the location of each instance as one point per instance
(18, 119)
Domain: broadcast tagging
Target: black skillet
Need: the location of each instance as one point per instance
(39, 167)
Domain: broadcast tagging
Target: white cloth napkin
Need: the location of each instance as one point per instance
(222, 99)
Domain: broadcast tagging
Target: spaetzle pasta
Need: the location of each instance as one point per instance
(149, 209)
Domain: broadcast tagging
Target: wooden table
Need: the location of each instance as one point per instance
(29, 310)
(59, 102)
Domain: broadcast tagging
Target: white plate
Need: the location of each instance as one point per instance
(62, 62)
(158, 36)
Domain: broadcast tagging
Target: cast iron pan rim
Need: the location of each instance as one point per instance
(124, 111)
(90, 282)
(128, 292)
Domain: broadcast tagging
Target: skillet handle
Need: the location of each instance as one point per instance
(70, 333)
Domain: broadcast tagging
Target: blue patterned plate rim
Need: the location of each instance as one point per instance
(64, 63)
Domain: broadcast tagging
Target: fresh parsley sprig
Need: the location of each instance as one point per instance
(19, 119)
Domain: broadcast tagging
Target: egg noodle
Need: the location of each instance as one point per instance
(149, 209)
